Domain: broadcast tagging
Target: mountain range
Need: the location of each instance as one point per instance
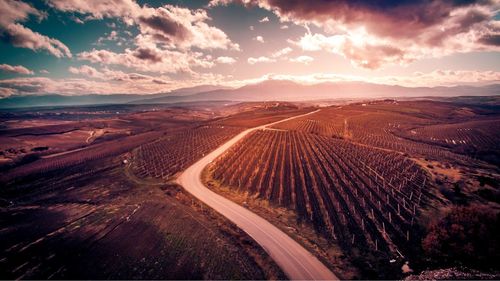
(270, 90)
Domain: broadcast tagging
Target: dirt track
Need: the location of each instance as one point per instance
(294, 260)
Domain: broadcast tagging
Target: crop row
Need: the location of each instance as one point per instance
(359, 196)
(171, 154)
(96, 152)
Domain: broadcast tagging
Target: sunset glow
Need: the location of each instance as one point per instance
(123, 46)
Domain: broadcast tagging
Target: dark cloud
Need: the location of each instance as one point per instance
(384, 18)
(165, 25)
(147, 54)
(491, 39)
(161, 82)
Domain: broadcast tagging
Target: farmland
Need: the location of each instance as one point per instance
(106, 207)
(361, 197)
(366, 177)
(356, 184)
(171, 154)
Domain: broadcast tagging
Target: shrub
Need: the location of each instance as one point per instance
(466, 236)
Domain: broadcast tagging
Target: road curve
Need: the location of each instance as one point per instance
(291, 257)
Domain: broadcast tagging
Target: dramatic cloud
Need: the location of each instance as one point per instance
(364, 52)
(149, 58)
(171, 25)
(167, 40)
(183, 28)
(302, 59)
(375, 33)
(260, 59)
(19, 69)
(12, 32)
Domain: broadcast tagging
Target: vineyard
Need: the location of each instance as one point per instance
(473, 135)
(171, 154)
(100, 151)
(361, 197)
(382, 129)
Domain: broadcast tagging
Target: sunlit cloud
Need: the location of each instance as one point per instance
(302, 59)
(282, 52)
(19, 69)
(261, 59)
(225, 60)
(259, 39)
(418, 79)
(372, 34)
(11, 31)
(264, 19)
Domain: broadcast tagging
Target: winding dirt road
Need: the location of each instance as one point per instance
(291, 257)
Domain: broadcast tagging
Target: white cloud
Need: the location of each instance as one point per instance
(19, 69)
(259, 39)
(170, 25)
(264, 19)
(12, 32)
(371, 34)
(150, 59)
(225, 60)
(171, 39)
(284, 26)
(302, 59)
(360, 48)
(282, 52)
(262, 59)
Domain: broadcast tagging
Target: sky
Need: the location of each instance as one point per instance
(77, 47)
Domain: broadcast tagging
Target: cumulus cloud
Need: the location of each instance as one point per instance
(44, 71)
(171, 38)
(365, 53)
(108, 82)
(12, 32)
(261, 59)
(302, 59)
(149, 57)
(19, 69)
(85, 70)
(183, 28)
(259, 39)
(283, 52)
(175, 26)
(225, 60)
(116, 75)
(399, 32)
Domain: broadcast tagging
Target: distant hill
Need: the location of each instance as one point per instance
(285, 90)
(20, 101)
(270, 90)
